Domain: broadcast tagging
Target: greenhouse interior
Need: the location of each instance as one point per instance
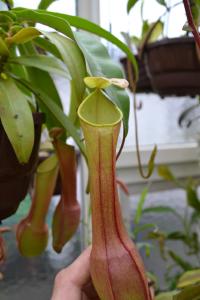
(100, 181)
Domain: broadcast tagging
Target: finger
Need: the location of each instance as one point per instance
(79, 271)
(69, 281)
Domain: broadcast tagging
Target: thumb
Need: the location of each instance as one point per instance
(69, 282)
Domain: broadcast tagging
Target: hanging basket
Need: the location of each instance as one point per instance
(173, 67)
(15, 177)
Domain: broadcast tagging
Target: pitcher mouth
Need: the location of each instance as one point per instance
(98, 111)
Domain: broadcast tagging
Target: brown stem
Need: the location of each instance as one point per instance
(191, 22)
(122, 145)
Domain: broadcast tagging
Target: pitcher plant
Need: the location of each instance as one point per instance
(66, 216)
(116, 267)
(32, 231)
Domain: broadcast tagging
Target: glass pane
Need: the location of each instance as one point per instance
(157, 263)
(158, 121)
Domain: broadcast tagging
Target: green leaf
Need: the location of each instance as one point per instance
(164, 172)
(60, 22)
(131, 4)
(189, 293)
(20, 71)
(166, 296)
(3, 48)
(192, 198)
(195, 8)
(151, 163)
(43, 81)
(75, 63)
(156, 32)
(42, 62)
(146, 246)
(144, 227)
(139, 210)
(55, 110)
(44, 4)
(17, 120)
(47, 46)
(195, 217)
(161, 238)
(176, 235)
(162, 2)
(145, 28)
(180, 261)
(9, 14)
(189, 278)
(39, 16)
(160, 209)
(101, 65)
(135, 40)
(23, 36)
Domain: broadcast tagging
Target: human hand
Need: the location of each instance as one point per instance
(74, 282)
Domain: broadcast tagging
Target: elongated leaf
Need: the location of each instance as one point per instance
(189, 278)
(9, 13)
(17, 120)
(176, 235)
(157, 31)
(24, 35)
(160, 209)
(180, 261)
(192, 198)
(60, 22)
(189, 293)
(54, 21)
(44, 4)
(42, 62)
(164, 172)
(75, 63)
(55, 110)
(144, 227)
(3, 48)
(101, 65)
(167, 295)
(20, 71)
(162, 2)
(47, 46)
(147, 248)
(131, 4)
(43, 81)
(140, 205)
(195, 217)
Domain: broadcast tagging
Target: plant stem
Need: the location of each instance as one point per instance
(191, 22)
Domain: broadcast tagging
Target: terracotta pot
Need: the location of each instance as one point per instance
(144, 84)
(173, 66)
(15, 177)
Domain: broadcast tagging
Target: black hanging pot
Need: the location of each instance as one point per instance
(15, 177)
(173, 66)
